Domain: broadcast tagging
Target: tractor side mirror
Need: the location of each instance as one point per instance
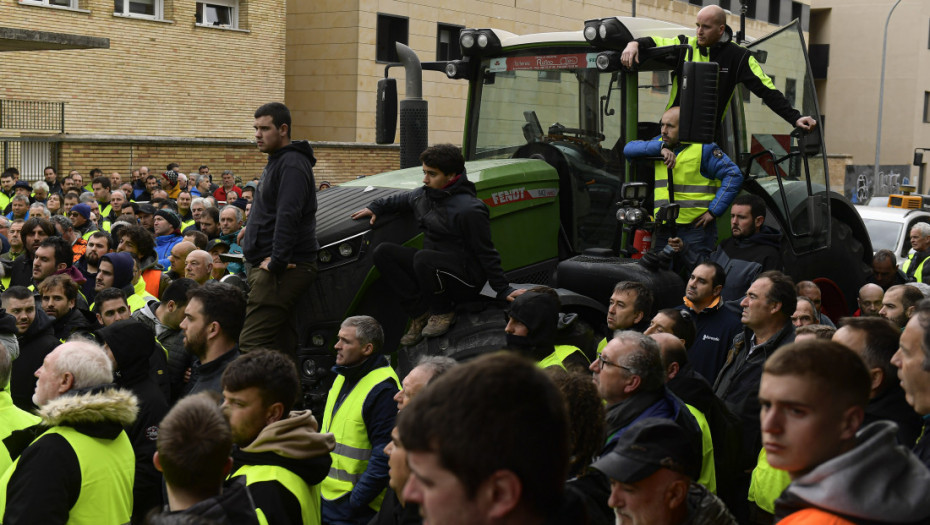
(386, 111)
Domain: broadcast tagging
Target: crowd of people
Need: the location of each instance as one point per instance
(148, 360)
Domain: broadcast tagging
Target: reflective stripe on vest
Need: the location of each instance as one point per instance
(152, 278)
(108, 470)
(353, 449)
(693, 191)
(308, 496)
(557, 358)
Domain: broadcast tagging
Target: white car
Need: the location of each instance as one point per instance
(890, 228)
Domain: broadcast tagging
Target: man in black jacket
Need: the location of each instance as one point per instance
(754, 247)
(36, 340)
(713, 43)
(77, 466)
(876, 340)
(280, 243)
(767, 310)
(194, 446)
(280, 453)
(130, 345)
(458, 255)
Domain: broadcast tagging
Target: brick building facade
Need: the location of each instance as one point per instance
(179, 82)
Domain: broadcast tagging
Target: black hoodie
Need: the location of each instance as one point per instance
(454, 221)
(282, 222)
(745, 258)
(38, 341)
(132, 345)
(73, 322)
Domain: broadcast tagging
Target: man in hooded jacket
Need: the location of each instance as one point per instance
(130, 345)
(532, 322)
(279, 452)
(458, 255)
(280, 243)
(753, 248)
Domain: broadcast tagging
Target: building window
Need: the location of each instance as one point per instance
(797, 10)
(927, 107)
(447, 42)
(139, 8)
(218, 13)
(70, 4)
(391, 29)
(791, 90)
(774, 11)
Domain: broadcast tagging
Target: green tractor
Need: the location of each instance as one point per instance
(546, 121)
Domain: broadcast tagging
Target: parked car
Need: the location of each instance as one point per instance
(890, 228)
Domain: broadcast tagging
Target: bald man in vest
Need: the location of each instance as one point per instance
(713, 42)
(703, 182)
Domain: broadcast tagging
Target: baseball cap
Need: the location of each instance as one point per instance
(648, 445)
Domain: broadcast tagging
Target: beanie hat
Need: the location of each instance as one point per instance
(170, 216)
(83, 209)
(171, 176)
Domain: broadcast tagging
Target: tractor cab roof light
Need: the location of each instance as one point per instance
(607, 32)
(479, 42)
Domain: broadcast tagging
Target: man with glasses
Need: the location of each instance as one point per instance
(629, 376)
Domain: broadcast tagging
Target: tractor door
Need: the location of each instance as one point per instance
(784, 165)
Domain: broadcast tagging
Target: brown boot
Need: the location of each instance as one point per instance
(415, 330)
(438, 324)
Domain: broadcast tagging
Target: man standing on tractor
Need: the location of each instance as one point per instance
(714, 43)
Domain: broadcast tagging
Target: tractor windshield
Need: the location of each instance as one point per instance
(559, 108)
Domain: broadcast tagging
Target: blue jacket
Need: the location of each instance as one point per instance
(715, 165)
(662, 403)
(163, 245)
(379, 413)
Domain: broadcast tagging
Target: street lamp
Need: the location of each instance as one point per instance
(881, 90)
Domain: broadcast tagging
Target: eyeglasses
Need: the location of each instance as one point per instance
(603, 362)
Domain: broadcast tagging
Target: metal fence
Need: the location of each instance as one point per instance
(33, 115)
(29, 156)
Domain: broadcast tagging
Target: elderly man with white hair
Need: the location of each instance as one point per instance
(81, 468)
(914, 266)
(199, 266)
